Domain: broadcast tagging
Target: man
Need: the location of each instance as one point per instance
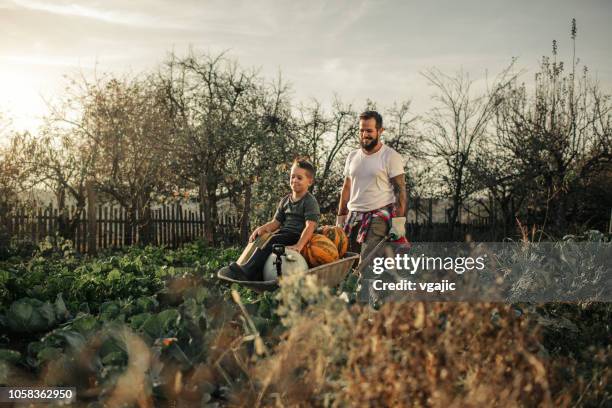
(373, 198)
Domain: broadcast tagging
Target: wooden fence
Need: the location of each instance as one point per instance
(480, 231)
(171, 225)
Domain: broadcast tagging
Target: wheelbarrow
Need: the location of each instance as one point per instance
(330, 274)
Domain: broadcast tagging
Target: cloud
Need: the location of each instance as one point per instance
(32, 60)
(108, 16)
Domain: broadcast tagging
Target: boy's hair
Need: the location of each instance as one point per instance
(303, 163)
(372, 115)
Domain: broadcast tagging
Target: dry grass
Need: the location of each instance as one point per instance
(410, 354)
(415, 354)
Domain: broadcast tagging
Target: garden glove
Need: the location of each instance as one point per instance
(398, 228)
(340, 220)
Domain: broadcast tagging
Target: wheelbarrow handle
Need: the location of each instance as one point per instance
(363, 262)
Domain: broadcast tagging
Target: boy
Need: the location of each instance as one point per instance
(293, 224)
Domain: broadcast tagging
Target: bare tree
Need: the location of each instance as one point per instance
(561, 136)
(455, 125)
(260, 150)
(501, 190)
(123, 122)
(216, 111)
(325, 138)
(403, 134)
(15, 178)
(62, 161)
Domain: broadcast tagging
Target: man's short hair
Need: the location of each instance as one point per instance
(372, 115)
(304, 163)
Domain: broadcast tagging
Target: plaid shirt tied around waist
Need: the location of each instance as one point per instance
(365, 219)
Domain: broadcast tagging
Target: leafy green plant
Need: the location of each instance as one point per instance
(29, 315)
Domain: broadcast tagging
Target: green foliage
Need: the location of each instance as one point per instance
(163, 323)
(195, 335)
(29, 315)
(85, 324)
(10, 356)
(136, 273)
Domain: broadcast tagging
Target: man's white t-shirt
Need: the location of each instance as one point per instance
(370, 185)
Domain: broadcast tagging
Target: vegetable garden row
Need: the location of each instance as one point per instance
(152, 327)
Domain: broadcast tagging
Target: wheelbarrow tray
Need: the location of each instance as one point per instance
(330, 274)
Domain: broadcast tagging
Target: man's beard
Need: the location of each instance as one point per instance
(369, 145)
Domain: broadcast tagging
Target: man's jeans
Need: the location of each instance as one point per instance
(377, 232)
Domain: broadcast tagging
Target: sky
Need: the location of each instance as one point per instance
(355, 49)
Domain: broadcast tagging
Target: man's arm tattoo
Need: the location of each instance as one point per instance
(399, 189)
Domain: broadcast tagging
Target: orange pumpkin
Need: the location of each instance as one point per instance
(337, 236)
(319, 250)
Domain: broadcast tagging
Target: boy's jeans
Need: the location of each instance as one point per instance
(254, 267)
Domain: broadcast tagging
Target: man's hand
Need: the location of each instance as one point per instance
(398, 228)
(340, 220)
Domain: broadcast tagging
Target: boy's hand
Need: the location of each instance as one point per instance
(258, 231)
(296, 248)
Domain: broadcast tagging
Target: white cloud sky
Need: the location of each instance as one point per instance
(88, 12)
(355, 49)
